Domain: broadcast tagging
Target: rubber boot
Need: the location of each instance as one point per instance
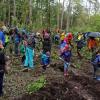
(66, 73)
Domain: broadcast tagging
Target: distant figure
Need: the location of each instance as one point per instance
(80, 44)
(46, 43)
(91, 43)
(17, 40)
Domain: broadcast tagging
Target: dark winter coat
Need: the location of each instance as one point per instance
(46, 45)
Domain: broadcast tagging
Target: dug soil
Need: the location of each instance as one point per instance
(79, 85)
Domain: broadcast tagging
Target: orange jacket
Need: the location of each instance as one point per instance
(91, 43)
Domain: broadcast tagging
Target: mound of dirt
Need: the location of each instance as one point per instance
(77, 86)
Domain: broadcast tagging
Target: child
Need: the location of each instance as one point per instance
(65, 56)
(46, 43)
(29, 53)
(96, 62)
(45, 60)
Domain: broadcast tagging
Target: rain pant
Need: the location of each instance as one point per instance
(66, 65)
(29, 54)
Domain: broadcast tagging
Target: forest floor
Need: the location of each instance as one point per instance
(79, 85)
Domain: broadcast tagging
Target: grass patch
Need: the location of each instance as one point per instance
(37, 85)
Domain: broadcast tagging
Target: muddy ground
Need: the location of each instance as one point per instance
(79, 85)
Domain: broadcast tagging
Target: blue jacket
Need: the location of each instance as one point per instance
(62, 45)
(66, 56)
(2, 37)
(45, 59)
(97, 60)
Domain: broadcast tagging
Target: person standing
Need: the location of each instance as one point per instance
(29, 53)
(46, 43)
(65, 56)
(17, 40)
(45, 60)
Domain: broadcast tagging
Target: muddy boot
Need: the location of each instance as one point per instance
(65, 73)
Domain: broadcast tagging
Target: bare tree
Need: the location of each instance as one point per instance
(62, 15)
(30, 11)
(68, 15)
(58, 14)
(14, 8)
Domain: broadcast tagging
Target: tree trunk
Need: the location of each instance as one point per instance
(41, 14)
(48, 14)
(9, 17)
(62, 15)
(30, 11)
(68, 15)
(58, 14)
(14, 8)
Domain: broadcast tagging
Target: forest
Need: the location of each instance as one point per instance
(49, 49)
(69, 15)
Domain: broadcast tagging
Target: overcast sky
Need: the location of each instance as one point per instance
(84, 1)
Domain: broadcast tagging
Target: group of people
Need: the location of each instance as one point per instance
(69, 41)
(26, 46)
